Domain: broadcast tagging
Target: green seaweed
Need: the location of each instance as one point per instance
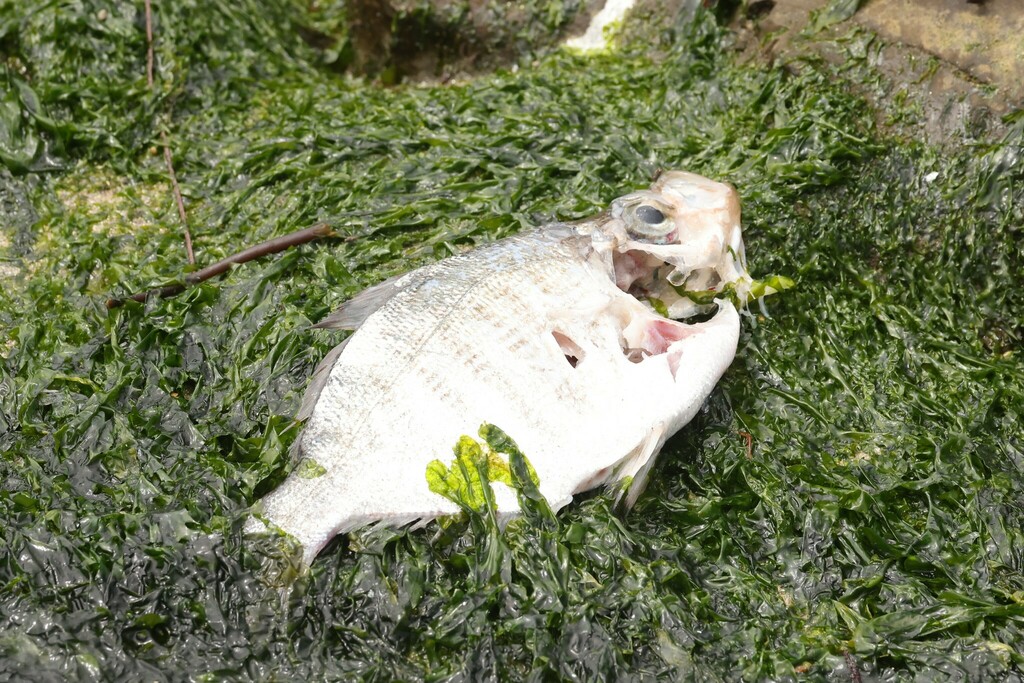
(874, 525)
(466, 482)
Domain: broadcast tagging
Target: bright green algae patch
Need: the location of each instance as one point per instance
(875, 523)
(466, 482)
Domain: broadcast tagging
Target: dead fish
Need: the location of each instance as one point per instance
(549, 334)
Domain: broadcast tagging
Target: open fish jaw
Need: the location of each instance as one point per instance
(536, 334)
(697, 250)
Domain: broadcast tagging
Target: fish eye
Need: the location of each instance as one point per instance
(650, 215)
(646, 221)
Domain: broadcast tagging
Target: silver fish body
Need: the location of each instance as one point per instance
(541, 334)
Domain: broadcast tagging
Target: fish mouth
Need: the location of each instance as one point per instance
(678, 246)
(661, 278)
(682, 264)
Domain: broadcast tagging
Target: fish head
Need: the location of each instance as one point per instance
(679, 242)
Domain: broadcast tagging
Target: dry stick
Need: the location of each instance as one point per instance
(149, 45)
(748, 437)
(177, 198)
(163, 139)
(851, 665)
(272, 246)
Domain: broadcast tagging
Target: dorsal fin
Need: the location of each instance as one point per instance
(354, 312)
(349, 316)
(319, 379)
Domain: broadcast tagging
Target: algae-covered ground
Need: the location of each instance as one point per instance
(874, 530)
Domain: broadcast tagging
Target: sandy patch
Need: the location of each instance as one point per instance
(114, 205)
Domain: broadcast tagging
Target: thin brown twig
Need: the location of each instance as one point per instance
(177, 198)
(168, 157)
(851, 665)
(271, 246)
(750, 443)
(149, 44)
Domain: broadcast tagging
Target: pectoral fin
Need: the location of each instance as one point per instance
(634, 470)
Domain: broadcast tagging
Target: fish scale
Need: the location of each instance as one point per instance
(478, 338)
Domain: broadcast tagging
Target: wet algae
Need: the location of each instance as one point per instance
(874, 528)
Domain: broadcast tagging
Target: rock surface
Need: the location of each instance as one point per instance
(960, 61)
(428, 39)
(984, 39)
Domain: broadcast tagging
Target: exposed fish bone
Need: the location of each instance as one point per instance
(543, 334)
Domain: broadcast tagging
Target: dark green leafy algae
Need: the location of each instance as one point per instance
(874, 530)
